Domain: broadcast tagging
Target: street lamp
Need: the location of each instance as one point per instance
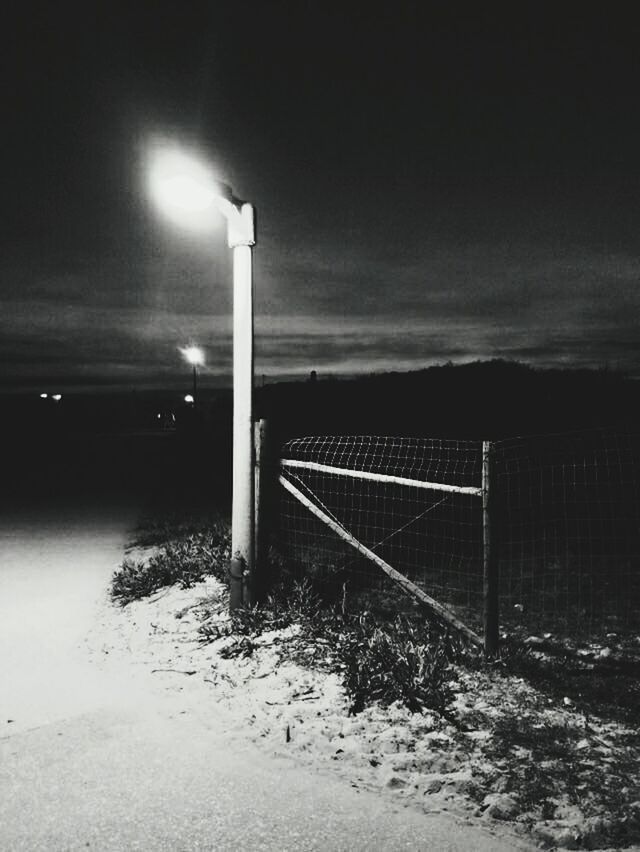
(194, 356)
(187, 191)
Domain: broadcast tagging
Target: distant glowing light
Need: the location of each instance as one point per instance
(194, 355)
(44, 396)
(56, 397)
(189, 399)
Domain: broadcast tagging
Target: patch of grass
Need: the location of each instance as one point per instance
(607, 686)
(135, 580)
(544, 741)
(395, 662)
(158, 529)
(280, 610)
(243, 646)
(185, 561)
(546, 761)
(381, 661)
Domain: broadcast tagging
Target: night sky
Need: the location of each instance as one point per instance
(432, 184)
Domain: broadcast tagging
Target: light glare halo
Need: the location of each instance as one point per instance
(194, 355)
(183, 187)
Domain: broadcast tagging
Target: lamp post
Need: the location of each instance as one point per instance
(187, 191)
(194, 356)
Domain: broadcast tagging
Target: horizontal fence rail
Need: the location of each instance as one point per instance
(380, 477)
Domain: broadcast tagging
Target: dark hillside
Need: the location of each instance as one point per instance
(490, 399)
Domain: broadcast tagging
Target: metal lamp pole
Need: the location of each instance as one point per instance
(241, 239)
(194, 356)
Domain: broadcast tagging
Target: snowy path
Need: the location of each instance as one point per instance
(55, 562)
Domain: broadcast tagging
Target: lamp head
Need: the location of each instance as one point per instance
(184, 187)
(194, 355)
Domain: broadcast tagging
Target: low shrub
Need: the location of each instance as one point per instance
(184, 561)
(380, 660)
(395, 662)
(280, 610)
(135, 580)
(403, 660)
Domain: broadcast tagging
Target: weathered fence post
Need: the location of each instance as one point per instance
(261, 495)
(489, 555)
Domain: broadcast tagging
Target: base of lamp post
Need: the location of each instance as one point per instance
(236, 583)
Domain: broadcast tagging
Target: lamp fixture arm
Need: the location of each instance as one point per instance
(240, 218)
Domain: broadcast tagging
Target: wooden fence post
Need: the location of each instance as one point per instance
(489, 555)
(261, 493)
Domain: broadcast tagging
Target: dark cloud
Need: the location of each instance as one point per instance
(429, 186)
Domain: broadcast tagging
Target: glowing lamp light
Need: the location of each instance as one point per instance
(56, 397)
(189, 399)
(184, 188)
(44, 396)
(194, 355)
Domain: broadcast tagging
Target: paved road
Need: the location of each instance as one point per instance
(105, 761)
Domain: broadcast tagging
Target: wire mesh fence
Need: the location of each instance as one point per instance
(568, 518)
(565, 519)
(413, 502)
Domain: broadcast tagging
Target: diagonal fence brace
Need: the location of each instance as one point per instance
(440, 611)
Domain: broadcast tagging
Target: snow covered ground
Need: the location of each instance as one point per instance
(301, 712)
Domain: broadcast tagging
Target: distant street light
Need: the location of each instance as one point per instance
(188, 192)
(194, 356)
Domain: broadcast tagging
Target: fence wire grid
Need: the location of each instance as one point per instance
(432, 536)
(568, 521)
(565, 521)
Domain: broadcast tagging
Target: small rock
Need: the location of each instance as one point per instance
(500, 806)
(433, 786)
(462, 786)
(501, 785)
(395, 782)
(557, 836)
